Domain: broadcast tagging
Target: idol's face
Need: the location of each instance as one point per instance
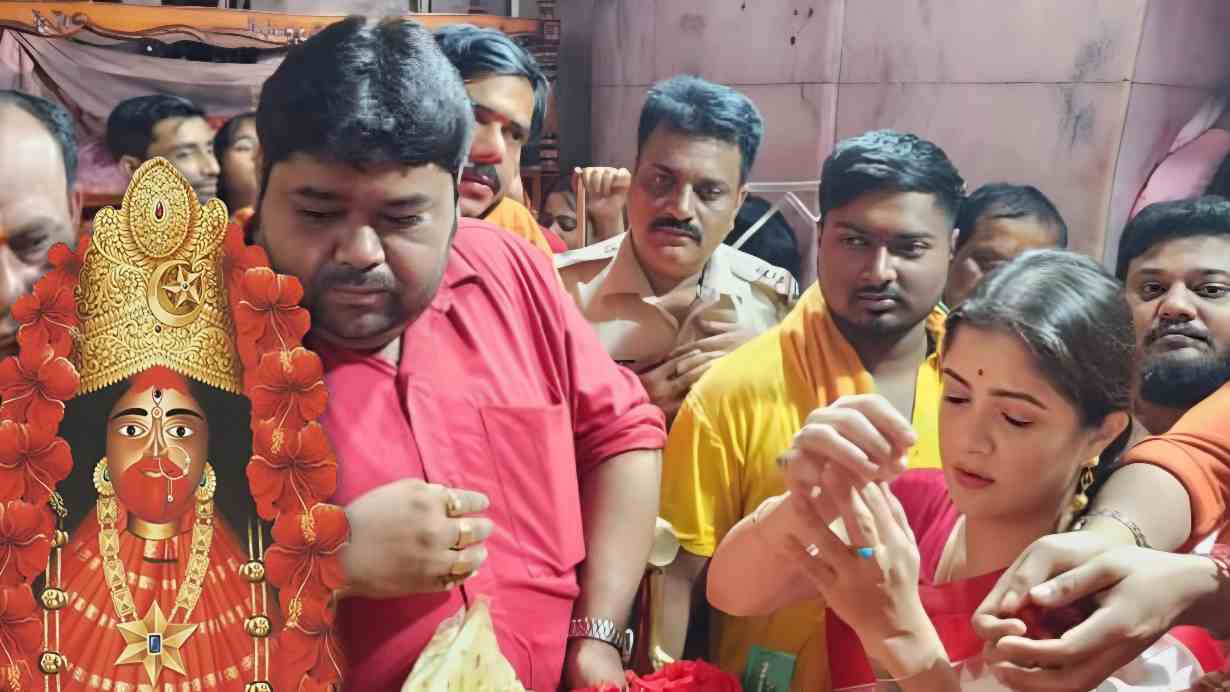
(883, 261)
(157, 444)
(1012, 445)
(369, 244)
(503, 116)
(684, 197)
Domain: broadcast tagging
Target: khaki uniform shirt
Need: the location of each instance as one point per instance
(640, 329)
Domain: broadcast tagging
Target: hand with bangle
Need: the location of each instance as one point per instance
(1142, 593)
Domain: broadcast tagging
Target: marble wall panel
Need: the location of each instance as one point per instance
(1155, 115)
(979, 41)
(1062, 138)
(1185, 43)
(734, 42)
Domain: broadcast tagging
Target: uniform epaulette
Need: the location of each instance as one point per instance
(604, 250)
(757, 271)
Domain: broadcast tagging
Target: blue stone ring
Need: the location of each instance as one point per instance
(865, 553)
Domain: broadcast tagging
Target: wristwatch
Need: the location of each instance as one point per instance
(604, 631)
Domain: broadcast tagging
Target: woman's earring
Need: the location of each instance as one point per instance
(1081, 500)
(102, 479)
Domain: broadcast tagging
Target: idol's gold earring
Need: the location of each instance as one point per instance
(208, 486)
(102, 479)
(1081, 500)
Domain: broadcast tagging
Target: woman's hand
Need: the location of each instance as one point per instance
(862, 434)
(872, 583)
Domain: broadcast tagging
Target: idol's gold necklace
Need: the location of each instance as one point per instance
(155, 640)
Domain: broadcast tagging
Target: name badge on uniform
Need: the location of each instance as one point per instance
(768, 671)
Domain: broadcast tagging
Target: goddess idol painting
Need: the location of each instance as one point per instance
(176, 530)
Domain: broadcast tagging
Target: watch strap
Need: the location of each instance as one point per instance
(603, 630)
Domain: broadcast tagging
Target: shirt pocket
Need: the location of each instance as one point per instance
(534, 457)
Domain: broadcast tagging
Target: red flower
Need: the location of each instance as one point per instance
(289, 387)
(268, 312)
(25, 541)
(32, 461)
(238, 257)
(50, 311)
(35, 384)
(309, 655)
(291, 470)
(67, 261)
(21, 628)
(686, 676)
(303, 559)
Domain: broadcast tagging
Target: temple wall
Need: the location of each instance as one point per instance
(1079, 97)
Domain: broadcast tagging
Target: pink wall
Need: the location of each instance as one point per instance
(1079, 97)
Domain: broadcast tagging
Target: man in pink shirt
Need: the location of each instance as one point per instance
(466, 391)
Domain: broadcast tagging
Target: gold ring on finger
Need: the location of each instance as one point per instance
(465, 534)
(452, 505)
(460, 569)
(813, 550)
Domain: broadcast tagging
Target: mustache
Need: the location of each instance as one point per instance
(1182, 328)
(686, 227)
(340, 276)
(484, 170)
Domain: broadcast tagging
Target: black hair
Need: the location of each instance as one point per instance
(477, 52)
(130, 127)
(230, 448)
(223, 139)
(1074, 318)
(696, 107)
(1165, 221)
(887, 160)
(1008, 201)
(774, 242)
(361, 93)
(55, 119)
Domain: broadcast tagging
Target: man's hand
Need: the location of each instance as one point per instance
(668, 383)
(606, 194)
(1140, 594)
(862, 434)
(413, 537)
(719, 337)
(589, 663)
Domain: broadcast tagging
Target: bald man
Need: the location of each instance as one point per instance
(38, 205)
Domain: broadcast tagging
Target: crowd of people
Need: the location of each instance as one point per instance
(962, 451)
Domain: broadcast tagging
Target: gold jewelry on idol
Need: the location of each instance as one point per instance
(155, 640)
(152, 291)
(1081, 500)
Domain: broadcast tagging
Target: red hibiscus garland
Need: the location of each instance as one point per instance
(292, 472)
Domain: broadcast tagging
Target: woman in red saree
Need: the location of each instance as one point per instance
(1038, 371)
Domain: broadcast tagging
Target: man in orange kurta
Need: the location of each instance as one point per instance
(508, 91)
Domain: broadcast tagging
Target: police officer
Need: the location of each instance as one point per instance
(667, 298)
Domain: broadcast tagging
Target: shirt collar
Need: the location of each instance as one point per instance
(624, 274)
(457, 271)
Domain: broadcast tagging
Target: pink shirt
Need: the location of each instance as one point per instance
(504, 389)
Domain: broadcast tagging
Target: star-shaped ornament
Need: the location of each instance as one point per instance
(154, 643)
(184, 287)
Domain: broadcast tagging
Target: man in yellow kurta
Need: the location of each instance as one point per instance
(888, 202)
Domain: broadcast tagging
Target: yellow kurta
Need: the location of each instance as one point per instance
(721, 459)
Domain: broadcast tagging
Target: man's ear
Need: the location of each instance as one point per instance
(129, 164)
(952, 243)
(742, 197)
(75, 202)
